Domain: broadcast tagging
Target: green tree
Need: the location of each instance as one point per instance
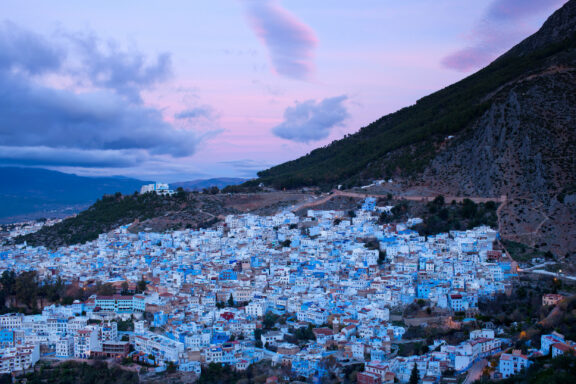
(231, 301)
(141, 285)
(269, 320)
(258, 338)
(381, 257)
(414, 375)
(125, 288)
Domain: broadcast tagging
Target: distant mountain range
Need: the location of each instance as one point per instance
(30, 193)
(34, 192)
(197, 185)
(509, 129)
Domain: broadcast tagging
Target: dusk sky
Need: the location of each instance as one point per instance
(180, 90)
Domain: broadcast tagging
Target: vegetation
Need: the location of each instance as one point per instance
(70, 372)
(525, 316)
(544, 371)
(215, 373)
(523, 253)
(106, 214)
(27, 293)
(414, 375)
(414, 132)
(441, 217)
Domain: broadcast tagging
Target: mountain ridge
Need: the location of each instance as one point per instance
(507, 129)
(36, 192)
(427, 122)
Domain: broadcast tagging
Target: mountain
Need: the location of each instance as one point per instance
(508, 129)
(34, 192)
(197, 185)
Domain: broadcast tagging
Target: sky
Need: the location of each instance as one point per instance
(181, 90)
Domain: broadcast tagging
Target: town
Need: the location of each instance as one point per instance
(312, 293)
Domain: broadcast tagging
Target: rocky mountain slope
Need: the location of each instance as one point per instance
(512, 129)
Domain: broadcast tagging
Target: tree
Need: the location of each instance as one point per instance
(231, 301)
(141, 285)
(414, 376)
(381, 257)
(269, 320)
(180, 193)
(125, 288)
(257, 337)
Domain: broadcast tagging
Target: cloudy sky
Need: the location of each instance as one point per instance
(184, 89)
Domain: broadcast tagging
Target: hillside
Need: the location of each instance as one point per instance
(34, 192)
(420, 130)
(198, 185)
(151, 212)
(180, 211)
(513, 134)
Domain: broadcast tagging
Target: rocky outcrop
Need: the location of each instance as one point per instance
(523, 147)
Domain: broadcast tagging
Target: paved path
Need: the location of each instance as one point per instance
(475, 372)
(560, 276)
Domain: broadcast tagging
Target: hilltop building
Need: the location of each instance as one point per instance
(158, 188)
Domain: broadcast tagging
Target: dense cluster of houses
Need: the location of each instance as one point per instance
(211, 291)
(25, 228)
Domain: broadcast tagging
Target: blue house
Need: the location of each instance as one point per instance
(227, 274)
(6, 337)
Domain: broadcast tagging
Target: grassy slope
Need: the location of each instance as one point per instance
(106, 214)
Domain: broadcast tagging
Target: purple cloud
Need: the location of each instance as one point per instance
(499, 30)
(290, 42)
(106, 125)
(105, 65)
(312, 121)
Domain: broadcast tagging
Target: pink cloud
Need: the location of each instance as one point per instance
(290, 42)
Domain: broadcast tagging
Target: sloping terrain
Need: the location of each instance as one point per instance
(151, 212)
(507, 131)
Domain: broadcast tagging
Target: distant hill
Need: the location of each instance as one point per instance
(508, 129)
(35, 192)
(198, 185)
(111, 211)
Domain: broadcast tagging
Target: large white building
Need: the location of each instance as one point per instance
(85, 341)
(65, 347)
(158, 188)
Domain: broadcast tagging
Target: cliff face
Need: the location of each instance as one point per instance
(523, 147)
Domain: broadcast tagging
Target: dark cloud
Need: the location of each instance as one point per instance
(28, 52)
(312, 121)
(32, 115)
(247, 167)
(290, 42)
(106, 125)
(47, 156)
(500, 29)
(195, 113)
(105, 65)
